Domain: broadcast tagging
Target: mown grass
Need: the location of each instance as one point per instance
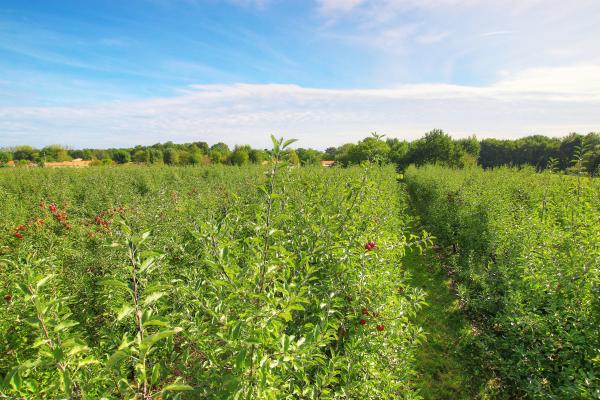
(439, 362)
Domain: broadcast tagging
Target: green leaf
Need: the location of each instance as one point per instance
(157, 287)
(23, 288)
(155, 374)
(124, 343)
(39, 343)
(67, 382)
(78, 349)
(150, 340)
(155, 322)
(288, 142)
(147, 264)
(124, 312)
(115, 284)
(87, 361)
(116, 358)
(15, 380)
(240, 359)
(125, 228)
(153, 298)
(178, 387)
(286, 315)
(235, 332)
(285, 343)
(43, 281)
(275, 143)
(65, 325)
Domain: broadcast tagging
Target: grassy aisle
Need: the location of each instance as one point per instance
(439, 364)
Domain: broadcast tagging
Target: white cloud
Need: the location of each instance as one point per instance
(553, 101)
(496, 33)
(335, 6)
(430, 38)
(250, 3)
(478, 38)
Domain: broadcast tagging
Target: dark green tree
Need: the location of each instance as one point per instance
(257, 156)
(26, 153)
(219, 153)
(240, 155)
(121, 156)
(171, 156)
(309, 156)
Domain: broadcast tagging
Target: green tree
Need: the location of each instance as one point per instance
(185, 157)
(435, 147)
(330, 153)
(592, 140)
(309, 156)
(121, 156)
(257, 156)
(219, 153)
(5, 156)
(470, 145)
(202, 147)
(26, 153)
(142, 156)
(240, 155)
(343, 153)
(536, 150)
(75, 153)
(372, 148)
(87, 154)
(156, 156)
(171, 156)
(398, 151)
(494, 152)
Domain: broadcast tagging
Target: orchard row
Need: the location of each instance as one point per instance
(214, 282)
(523, 250)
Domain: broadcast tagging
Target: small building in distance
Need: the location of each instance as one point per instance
(327, 163)
(77, 163)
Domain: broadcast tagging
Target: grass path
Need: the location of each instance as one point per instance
(439, 363)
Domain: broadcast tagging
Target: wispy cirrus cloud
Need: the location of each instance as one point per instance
(430, 38)
(497, 33)
(480, 37)
(336, 6)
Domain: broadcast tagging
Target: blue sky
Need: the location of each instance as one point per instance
(119, 73)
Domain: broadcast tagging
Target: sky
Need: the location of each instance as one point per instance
(119, 73)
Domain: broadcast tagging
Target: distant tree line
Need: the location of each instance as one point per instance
(434, 147)
(169, 153)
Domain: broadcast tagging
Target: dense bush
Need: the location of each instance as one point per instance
(524, 251)
(205, 282)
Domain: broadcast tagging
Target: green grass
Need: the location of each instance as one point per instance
(439, 363)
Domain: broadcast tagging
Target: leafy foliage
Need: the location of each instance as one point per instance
(208, 282)
(523, 251)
